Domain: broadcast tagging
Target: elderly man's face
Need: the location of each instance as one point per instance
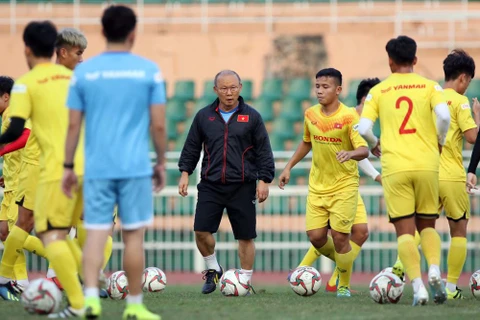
(228, 90)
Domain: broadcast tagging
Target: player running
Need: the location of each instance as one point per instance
(410, 159)
(40, 96)
(330, 131)
(459, 69)
(360, 227)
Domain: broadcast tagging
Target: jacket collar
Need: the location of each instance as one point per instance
(241, 104)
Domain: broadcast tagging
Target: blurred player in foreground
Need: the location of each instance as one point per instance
(410, 179)
(459, 69)
(330, 131)
(121, 96)
(40, 95)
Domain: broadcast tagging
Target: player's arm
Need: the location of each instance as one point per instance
(365, 126)
(75, 118)
(366, 166)
(472, 166)
(443, 121)
(21, 109)
(158, 99)
(17, 144)
(264, 161)
(303, 149)
(465, 120)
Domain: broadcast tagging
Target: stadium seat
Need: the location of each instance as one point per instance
(277, 142)
(352, 87)
(208, 93)
(171, 129)
(283, 128)
(272, 88)
(247, 90)
(291, 109)
(176, 110)
(473, 90)
(300, 88)
(185, 90)
(202, 103)
(265, 107)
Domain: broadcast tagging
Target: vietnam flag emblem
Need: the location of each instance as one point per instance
(242, 118)
(338, 125)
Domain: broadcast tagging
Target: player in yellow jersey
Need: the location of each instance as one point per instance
(411, 143)
(330, 131)
(459, 69)
(360, 228)
(40, 96)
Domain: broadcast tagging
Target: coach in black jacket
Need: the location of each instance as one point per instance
(237, 153)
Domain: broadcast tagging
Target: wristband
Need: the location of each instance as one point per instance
(68, 165)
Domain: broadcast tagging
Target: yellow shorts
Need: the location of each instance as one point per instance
(361, 215)
(27, 185)
(53, 210)
(9, 211)
(454, 199)
(339, 210)
(411, 193)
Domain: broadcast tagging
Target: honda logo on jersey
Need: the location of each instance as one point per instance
(242, 118)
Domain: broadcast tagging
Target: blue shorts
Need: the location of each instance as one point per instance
(133, 196)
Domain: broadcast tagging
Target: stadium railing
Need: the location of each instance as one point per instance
(281, 241)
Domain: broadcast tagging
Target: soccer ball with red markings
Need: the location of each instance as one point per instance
(234, 283)
(305, 281)
(386, 288)
(41, 297)
(118, 285)
(154, 280)
(475, 284)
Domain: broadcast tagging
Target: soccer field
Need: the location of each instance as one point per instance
(274, 302)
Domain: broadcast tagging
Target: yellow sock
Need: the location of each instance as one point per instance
(63, 262)
(81, 233)
(310, 257)
(355, 251)
(20, 267)
(431, 246)
(456, 258)
(344, 268)
(108, 252)
(418, 239)
(409, 255)
(77, 255)
(328, 249)
(35, 245)
(13, 245)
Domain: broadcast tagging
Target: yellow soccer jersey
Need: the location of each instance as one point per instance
(40, 95)
(11, 161)
(328, 135)
(404, 104)
(31, 154)
(451, 160)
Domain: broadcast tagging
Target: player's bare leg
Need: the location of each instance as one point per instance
(206, 245)
(93, 261)
(133, 261)
(457, 255)
(246, 253)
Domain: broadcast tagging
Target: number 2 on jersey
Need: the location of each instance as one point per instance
(398, 104)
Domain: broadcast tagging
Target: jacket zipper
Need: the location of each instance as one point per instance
(225, 139)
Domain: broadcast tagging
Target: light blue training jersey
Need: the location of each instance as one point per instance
(115, 91)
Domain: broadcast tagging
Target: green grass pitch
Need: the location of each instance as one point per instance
(274, 302)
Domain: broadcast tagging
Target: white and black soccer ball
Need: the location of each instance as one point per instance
(305, 281)
(118, 285)
(41, 297)
(386, 288)
(475, 284)
(153, 280)
(234, 283)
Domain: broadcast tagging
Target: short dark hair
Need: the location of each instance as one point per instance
(402, 50)
(364, 87)
(330, 73)
(6, 85)
(117, 22)
(456, 63)
(40, 37)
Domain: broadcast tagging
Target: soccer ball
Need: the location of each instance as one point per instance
(386, 288)
(234, 283)
(118, 285)
(475, 284)
(41, 297)
(305, 281)
(154, 280)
